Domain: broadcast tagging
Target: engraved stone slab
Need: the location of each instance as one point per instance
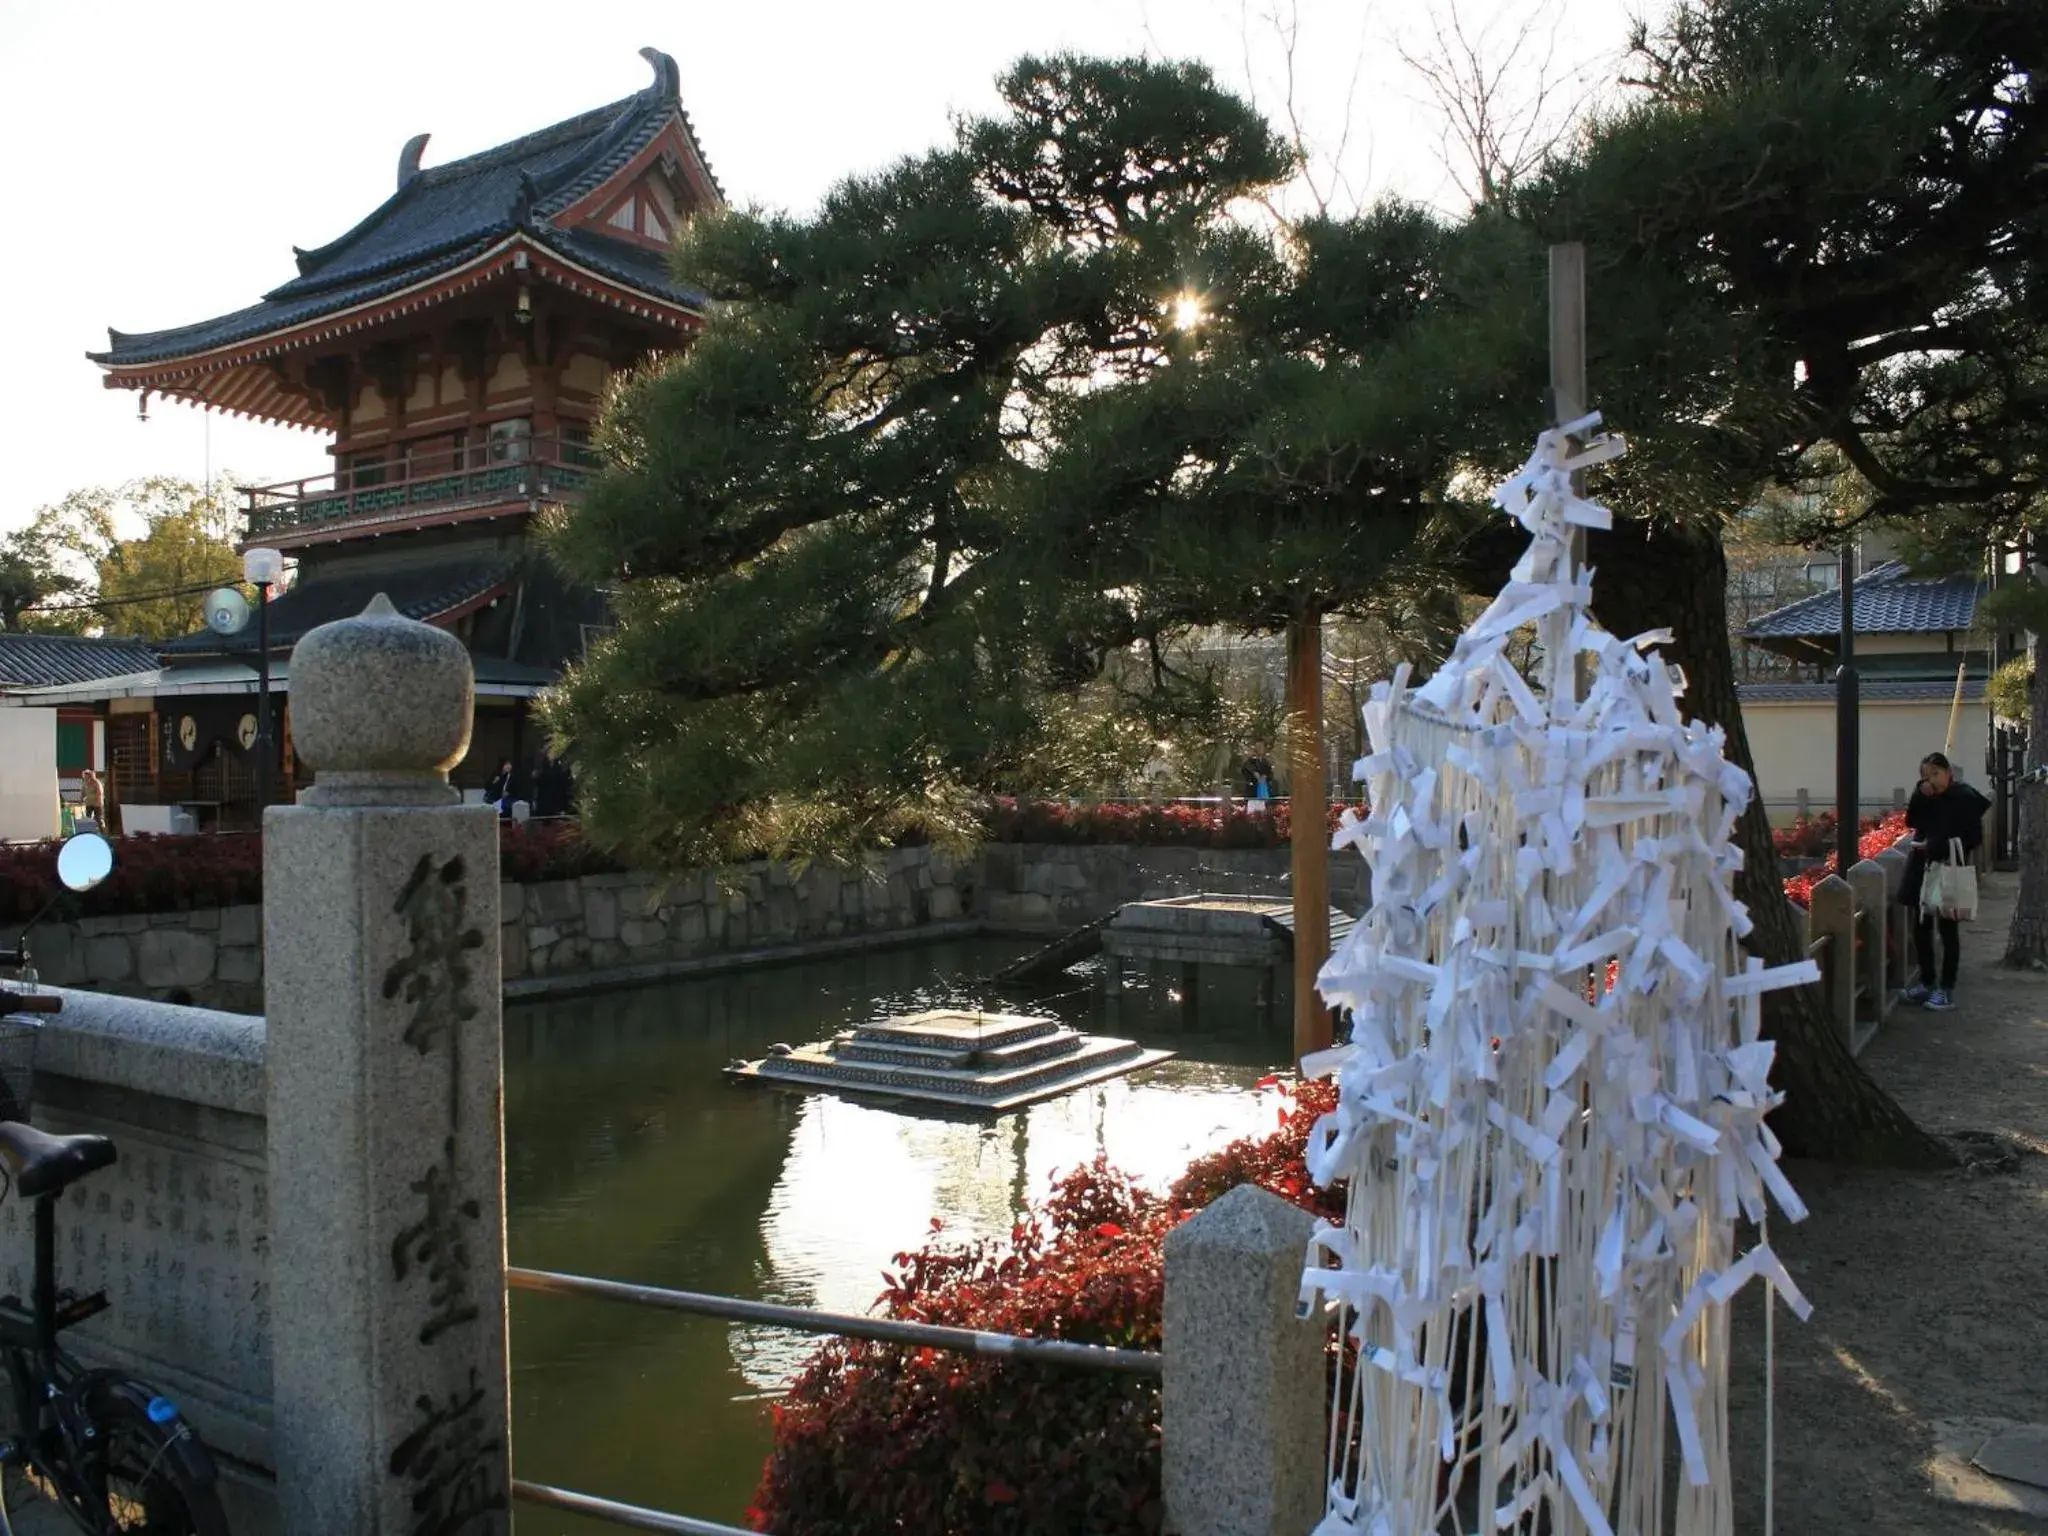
(386, 1147)
(386, 1157)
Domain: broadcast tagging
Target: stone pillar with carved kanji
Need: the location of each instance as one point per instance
(387, 1258)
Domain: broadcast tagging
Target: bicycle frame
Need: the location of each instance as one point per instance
(58, 1440)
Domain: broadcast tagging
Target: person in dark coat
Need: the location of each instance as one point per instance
(551, 786)
(502, 790)
(1943, 811)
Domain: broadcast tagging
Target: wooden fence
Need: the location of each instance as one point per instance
(1862, 940)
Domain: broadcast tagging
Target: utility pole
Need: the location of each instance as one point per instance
(1848, 726)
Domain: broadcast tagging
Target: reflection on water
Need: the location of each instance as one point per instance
(629, 1156)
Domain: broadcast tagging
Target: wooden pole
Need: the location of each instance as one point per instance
(1308, 811)
(1567, 403)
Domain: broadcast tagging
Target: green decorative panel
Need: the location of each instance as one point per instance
(74, 746)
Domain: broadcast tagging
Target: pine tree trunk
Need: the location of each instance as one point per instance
(1678, 580)
(1309, 845)
(2026, 943)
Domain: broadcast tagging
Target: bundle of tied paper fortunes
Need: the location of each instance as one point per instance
(1552, 1102)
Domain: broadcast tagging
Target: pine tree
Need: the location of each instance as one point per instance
(1837, 208)
(1034, 399)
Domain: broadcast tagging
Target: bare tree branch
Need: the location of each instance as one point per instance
(1505, 103)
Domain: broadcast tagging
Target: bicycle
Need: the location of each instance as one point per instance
(104, 1451)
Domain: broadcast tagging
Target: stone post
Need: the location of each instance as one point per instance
(387, 1258)
(1831, 915)
(1243, 1407)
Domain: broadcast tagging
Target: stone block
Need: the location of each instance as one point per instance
(111, 958)
(238, 963)
(512, 954)
(945, 904)
(690, 927)
(542, 936)
(554, 901)
(241, 925)
(606, 953)
(642, 933)
(1243, 1399)
(58, 950)
(600, 912)
(173, 957)
(130, 922)
(201, 920)
(1030, 907)
(511, 902)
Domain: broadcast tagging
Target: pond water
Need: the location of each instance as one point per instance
(629, 1156)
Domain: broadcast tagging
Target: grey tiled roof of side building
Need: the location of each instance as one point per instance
(1886, 601)
(445, 215)
(418, 594)
(47, 661)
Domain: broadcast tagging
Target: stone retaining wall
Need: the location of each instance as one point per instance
(213, 957)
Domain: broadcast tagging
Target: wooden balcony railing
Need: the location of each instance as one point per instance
(480, 474)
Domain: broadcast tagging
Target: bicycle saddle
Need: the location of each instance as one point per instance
(42, 1164)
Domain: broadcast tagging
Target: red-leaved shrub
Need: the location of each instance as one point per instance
(1879, 833)
(877, 1438)
(1148, 826)
(178, 874)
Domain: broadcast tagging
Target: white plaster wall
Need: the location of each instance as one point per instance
(28, 774)
(1794, 748)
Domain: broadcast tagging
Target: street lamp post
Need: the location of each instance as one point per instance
(1848, 727)
(262, 568)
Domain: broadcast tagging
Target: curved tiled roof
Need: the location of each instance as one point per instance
(1886, 601)
(45, 661)
(443, 216)
(424, 594)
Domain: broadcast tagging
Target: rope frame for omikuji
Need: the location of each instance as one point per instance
(1551, 1105)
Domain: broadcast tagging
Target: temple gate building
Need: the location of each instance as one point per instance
(456, 343)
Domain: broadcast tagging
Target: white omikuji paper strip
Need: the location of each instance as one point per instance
(1543, 1165)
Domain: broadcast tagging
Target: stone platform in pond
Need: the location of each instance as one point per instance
(965, 1060)
(1191, 932)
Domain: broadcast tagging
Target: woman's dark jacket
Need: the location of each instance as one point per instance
(1955, 815)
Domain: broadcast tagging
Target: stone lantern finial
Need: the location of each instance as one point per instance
(381, 707)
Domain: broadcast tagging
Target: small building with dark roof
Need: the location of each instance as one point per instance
(456, 343)
(1918, 650)
(44, 752)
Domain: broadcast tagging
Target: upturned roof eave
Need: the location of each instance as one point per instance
(320, 326)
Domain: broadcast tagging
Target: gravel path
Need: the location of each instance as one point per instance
(1927, 1288)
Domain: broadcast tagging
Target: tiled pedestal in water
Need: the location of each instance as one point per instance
(957, 1057)
(386, 1155)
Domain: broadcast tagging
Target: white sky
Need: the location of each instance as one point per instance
(165, 158)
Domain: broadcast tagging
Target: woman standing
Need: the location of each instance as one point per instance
(93, 797)
(1943, 812)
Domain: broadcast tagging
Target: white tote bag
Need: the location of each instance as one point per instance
(1950, 890)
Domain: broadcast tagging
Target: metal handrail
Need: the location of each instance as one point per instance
(632, 1516)
(1130, 1362)
(1135, 1362)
